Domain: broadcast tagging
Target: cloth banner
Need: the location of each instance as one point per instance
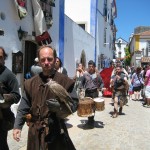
(21, 8)
(43, 39)
(39, 19)
(42, 36)
(106, 76)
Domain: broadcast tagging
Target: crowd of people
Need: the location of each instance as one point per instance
(44, 105)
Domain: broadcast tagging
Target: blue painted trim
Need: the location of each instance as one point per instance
(92, 17)
(61, 30)
(96, 32)
(93, 24)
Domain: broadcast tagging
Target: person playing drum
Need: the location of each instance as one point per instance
(120, 83)
(92, 83)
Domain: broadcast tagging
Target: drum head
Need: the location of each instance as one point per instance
(98, 99)
(87, 98)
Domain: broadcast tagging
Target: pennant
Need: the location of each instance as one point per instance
(39, 19)
(21, 8)
(42, 36)
(114, 8)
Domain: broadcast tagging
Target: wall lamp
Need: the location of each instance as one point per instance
(21, 33)
(1, 32)
(52, 3)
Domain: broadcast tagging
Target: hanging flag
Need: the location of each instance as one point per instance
(42, 35)
(39, 19)
(43, 39)
(21, 8)
(114, 8)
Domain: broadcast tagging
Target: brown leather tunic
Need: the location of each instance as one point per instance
(36, 94)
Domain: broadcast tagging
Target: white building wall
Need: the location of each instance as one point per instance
(143, 45)
(11, 25)
(76, 40)
(122, 47)
(104, 48)
(54, 30)
(79, 11)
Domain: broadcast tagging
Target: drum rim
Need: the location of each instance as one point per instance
(98, 100)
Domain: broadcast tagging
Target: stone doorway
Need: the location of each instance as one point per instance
(29, 55)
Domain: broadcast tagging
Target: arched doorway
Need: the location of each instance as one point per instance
(29, 55)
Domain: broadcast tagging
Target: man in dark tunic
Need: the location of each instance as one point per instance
(46, 130)
(9, 94)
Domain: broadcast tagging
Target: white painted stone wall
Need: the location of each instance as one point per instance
(143, 44)
(122, 48)
(107, 48)
(10, 25)
(76, 40)
(54, 30)
(79, 11)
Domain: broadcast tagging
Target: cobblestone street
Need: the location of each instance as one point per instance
(130, 131)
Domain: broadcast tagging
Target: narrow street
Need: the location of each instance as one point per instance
(130, 131)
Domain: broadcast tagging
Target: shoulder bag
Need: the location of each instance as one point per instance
(142, 85)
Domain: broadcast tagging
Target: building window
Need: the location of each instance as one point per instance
(119, 54)
(110, 43)
(148, 45)
(105, 37)
(82, 26)
(105, 9)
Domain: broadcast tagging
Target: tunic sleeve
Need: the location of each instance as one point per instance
(23, 109)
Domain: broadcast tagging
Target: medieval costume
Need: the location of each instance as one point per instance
(120, 84)
(46, 130)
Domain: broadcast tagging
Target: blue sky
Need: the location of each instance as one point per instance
(131, 14)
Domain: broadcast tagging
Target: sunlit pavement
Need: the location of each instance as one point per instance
(129, 131)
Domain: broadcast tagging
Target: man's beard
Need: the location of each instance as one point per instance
(1, 68)
(1, 65)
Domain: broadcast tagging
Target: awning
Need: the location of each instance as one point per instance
(145, 59)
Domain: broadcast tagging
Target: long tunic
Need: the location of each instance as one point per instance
(91, 82)
(33, 102)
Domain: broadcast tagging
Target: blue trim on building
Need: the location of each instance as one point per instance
(96, 32)
(93, 24)
(61, 30)
(92, 17)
